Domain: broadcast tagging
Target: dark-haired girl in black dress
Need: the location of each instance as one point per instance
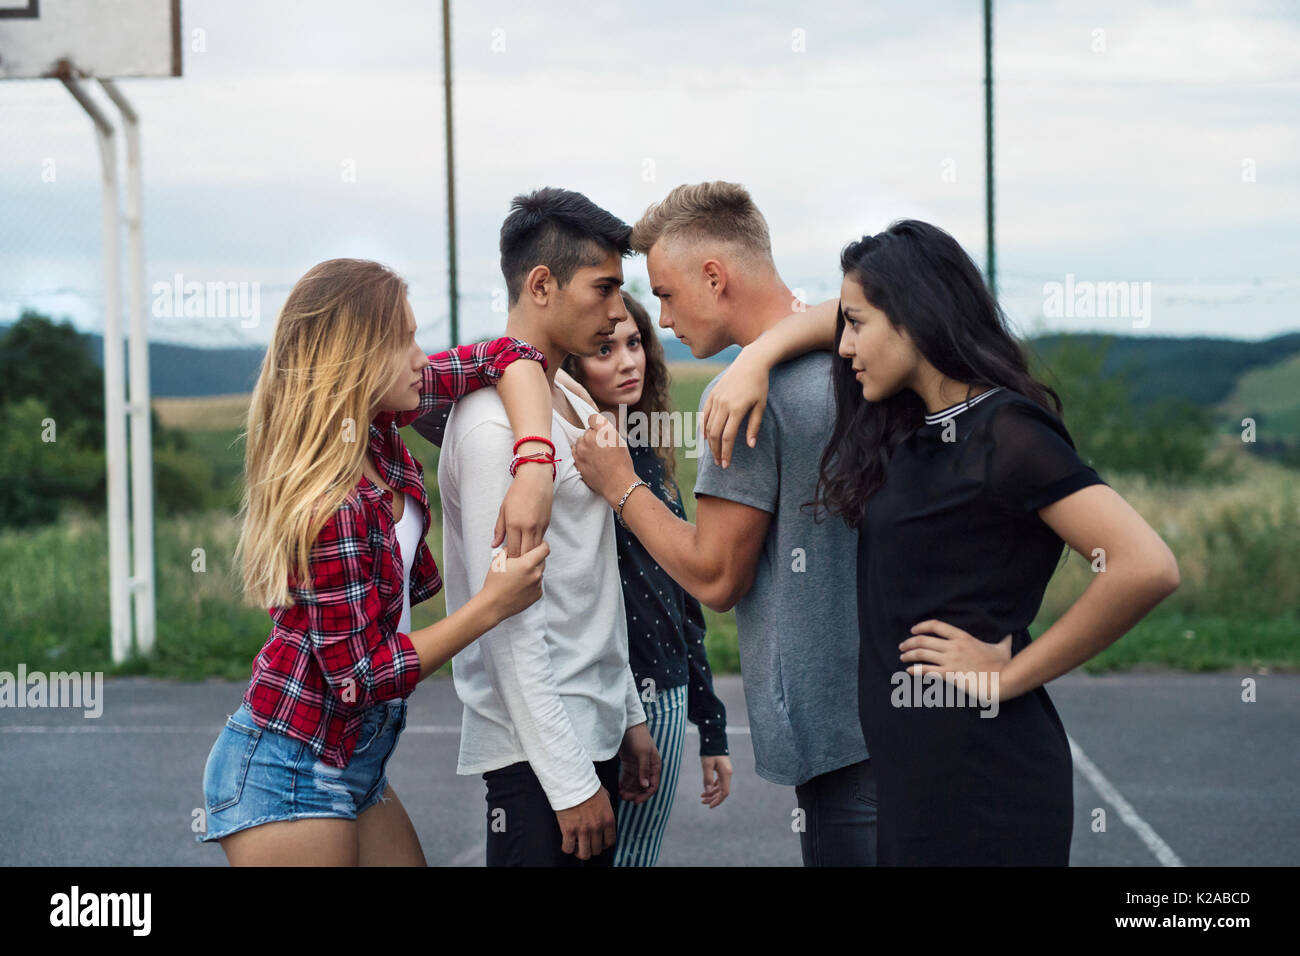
(955, 466)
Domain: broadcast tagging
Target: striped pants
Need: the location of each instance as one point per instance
(641, 825)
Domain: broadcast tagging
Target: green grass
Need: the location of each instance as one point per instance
(1204, 642)
(1237, 543)
(56, 607)
(1270, 395)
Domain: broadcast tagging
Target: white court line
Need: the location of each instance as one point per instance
(170, 729)
(443, 729)
(106, 729)
(1158, 847)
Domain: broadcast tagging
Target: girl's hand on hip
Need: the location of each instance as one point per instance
(939, 647)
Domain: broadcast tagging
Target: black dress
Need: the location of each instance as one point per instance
(953, 535)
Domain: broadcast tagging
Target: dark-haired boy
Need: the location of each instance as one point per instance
(550, 704)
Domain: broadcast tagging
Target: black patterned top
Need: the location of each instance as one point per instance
(665, 625)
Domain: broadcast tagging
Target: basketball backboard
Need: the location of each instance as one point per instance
(94, 38)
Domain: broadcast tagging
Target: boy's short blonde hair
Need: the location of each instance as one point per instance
(716, 210)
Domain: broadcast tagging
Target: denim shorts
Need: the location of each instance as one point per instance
(256, 776)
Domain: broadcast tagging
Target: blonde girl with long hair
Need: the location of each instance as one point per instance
(334, 518)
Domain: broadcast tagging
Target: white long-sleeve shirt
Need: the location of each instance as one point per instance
(550, 685)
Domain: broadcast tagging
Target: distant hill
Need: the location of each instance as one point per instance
(181, 371)
(1205, 371)
(1269, 394)
(674, 351)
(1201, 370)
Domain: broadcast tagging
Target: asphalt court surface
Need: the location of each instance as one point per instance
(1185, 771)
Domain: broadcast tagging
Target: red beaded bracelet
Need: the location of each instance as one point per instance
(539, 457)
(545, 441)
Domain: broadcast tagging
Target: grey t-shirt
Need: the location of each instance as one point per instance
(798, 625)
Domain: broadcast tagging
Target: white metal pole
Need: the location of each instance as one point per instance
(119, 557)
(142, 581)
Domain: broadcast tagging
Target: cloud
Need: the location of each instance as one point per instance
(1125, 162)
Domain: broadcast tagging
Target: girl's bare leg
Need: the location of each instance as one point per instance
(313, 842)
(386, 835)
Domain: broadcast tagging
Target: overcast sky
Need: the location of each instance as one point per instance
(1128, 134)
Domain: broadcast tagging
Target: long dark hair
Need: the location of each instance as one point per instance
(655, 395)
(924, 282)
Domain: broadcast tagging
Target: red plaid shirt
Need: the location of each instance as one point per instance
(337, 651)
